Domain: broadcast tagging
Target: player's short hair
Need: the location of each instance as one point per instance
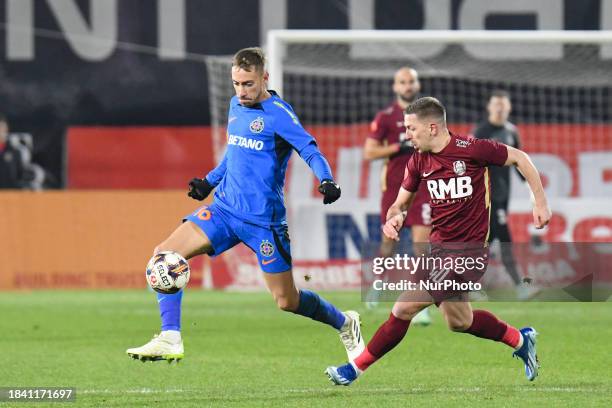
(499, 93)
(427, 107)
(248, 59)
(3, 117)
(407, 68)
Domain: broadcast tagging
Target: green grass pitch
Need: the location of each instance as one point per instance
(241, 351)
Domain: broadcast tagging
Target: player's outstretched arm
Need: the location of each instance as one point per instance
(397, 214)
(541, 210)
(200, 188)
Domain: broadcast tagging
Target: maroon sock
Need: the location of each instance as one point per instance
(388, 335)
(487, 326)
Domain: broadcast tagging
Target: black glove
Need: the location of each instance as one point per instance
(330, 190)
(405, 146)
(199, 188)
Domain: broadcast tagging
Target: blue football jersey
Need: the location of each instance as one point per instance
(251, 176)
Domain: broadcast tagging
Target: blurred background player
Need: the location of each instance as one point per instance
(12, 158)
(10, 165)
(387, 141)
(248, 207)
(455, 170)
(17, 171)
(497, 127)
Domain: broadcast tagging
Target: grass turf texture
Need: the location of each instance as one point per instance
(242, 351)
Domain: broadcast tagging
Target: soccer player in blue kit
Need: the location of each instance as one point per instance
(248, 207)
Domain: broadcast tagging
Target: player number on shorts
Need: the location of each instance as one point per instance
(438, 275)
(203, 214)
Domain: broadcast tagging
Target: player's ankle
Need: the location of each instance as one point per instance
(347, 322)
(173, 336)
(520, 343)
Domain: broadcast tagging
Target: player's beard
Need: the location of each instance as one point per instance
(407, 99)
(254, 100)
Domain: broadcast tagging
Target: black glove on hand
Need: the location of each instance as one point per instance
(405, 146)
(330, 190)
(199, 188)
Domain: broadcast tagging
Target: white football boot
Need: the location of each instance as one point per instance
(422, 318)
(350, 334)
(168, 345)
(527, 291)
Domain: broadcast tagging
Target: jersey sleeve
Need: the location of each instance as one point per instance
(317, 162)
(288, 127)
(378, 128)
(215, 176)
(486, 151)
(412, 176)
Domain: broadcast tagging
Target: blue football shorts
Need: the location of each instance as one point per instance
(271, 244)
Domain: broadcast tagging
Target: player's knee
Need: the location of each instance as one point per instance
(164, 246)
(406, 310)
(286, 303)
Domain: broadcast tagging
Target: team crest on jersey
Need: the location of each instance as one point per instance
(257, 125)
(266, 248)
(459, 167)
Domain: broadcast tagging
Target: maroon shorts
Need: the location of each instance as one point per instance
(419, 212)
(454, 269)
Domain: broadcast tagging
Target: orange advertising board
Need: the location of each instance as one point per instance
(86, 239)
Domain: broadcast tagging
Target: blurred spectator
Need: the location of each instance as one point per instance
(16, 168)
(11, 168)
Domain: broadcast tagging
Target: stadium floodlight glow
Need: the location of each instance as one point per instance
(277, 39)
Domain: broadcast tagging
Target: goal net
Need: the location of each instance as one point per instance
(561, 91)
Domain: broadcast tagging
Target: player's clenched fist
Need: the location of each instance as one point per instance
(541, 216)
(330, 190)
(199, 188)
(392, 227)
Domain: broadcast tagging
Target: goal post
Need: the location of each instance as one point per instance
(277, 39)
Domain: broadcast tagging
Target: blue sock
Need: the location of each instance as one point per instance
(170, 310)
(319, 309)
